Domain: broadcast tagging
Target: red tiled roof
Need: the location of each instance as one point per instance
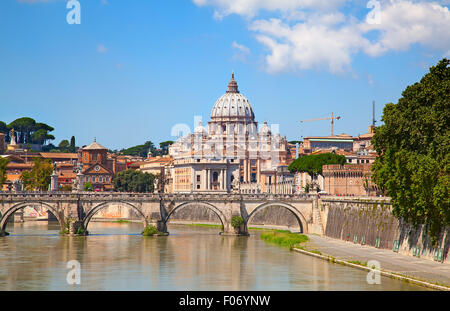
(58, 155)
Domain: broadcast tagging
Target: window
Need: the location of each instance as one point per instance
(100, 179)
(253, 162)
(253, 177)
(198, 186)
(198, 178)
(107, 178)
(94, 179)
(99, 158)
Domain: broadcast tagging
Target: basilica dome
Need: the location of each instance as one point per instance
(232, 106)
(200, 130)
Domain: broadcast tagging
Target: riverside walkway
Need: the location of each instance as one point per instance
(422, 269)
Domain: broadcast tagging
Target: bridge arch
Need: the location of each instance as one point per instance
(209, 206)
(9, 212)
(298, 215)
(102, 205)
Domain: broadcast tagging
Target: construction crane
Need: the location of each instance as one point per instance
(332, 121)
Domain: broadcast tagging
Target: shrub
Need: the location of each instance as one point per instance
(150, 230)
(237, 221)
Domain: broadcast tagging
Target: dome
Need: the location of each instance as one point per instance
(265, 129)
(232, 105)
(94, 146)
(200, 130)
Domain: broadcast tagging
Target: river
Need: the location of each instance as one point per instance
(116, 257)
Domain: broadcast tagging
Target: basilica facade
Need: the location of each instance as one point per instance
(232, 153)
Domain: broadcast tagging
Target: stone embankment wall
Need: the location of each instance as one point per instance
(371, 222)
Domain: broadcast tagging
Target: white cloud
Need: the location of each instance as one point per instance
(102, 49)
(309, 45)
(240, 47)
(250, 8)
(241, 51)
(324, 36)
(404, 23)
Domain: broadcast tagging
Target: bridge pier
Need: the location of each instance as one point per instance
(76, 227)
(161, 226)
(229, 230)
(3, 233)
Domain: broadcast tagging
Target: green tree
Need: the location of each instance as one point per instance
(24, 127)
(72, 147)
(312, 164)
(165, 146)
(88, 187)
(3, 128)
(64, 145)
(293, 142)
(39, 177)
(3, 163)
(140, 150)
(134, 181)
(41, 136)
(31, 132)
(413, 146)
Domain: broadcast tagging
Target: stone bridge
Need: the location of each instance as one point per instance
(75, 210)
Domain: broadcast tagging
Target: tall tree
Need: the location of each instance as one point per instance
(140, 150)
(414, 158)
(24, 126)
(41, 136)
(30, 132)
(165, 146)
(39, 177)
(3, 163)
(72, 144)
(134, 181)
(3, 128)
(64, 144)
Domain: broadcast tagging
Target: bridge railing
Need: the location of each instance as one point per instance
(156, 196)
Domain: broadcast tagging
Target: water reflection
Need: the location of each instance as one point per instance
(116, 257)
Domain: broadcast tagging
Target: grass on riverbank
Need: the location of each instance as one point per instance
(283, 238)
(122, 221)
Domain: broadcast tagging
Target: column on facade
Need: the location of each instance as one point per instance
(249, 170)
(207, 179)
(193, 180)
(225, 178)
(258, 169)
(245, 170)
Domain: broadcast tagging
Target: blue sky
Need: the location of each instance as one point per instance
(133, 69)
